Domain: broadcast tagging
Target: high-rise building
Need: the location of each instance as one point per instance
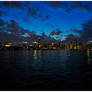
(59, 45)
(39, 44)
(78, 46)
(75, 44)
(0, 44)
(52, 44)
(71, 45)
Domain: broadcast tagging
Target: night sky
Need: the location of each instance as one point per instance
(60, 20)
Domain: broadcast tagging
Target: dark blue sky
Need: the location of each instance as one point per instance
(47, 16)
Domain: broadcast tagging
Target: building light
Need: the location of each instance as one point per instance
(30, 45)
(25, 42)
(7, 45)
(52, 44)
(39, 46)
(35, 42)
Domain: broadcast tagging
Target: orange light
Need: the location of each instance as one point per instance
(39, 46)
(7, 45)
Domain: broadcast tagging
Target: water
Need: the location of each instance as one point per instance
(46, 70)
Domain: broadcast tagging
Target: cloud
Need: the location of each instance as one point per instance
(12, 4)
(14, 24)
(69, 6)
(52, 33)
(14, 28)
(86, 5)
(7, 4)
(58, 32)
(12, 32)
(34, 11)
(71, 36)
(50, 25)
(1, 13)
(83, 5)
(27, 4)
(33, 35)
(86, 34)
(26, 20)
(57, 4)
(16, 4)
(76, 31)
(47, 17)
(2, 23)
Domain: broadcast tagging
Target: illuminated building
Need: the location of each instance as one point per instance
(34, 43)
(89, 45)
(0, 44)
(52, 44)
(7, 45)
(25, 42)
(39, 43)
(71, 46)
(66, 46)
(59, 44)
(30, 45)
(78, 46)
(75, 44)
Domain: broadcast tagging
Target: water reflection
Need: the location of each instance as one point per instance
(89, 56)
(46, 69)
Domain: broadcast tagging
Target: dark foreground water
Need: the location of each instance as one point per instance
(46, 70)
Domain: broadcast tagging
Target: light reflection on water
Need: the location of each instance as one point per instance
(89, 55)
(46, 70)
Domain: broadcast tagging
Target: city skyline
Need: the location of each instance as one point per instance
(45, 45)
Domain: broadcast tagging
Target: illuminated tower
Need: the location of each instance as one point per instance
(52, 44)
(78, 46)
(0, 44)
(75, 44)
(34, 44)
(59, 44)
(71, 45)
(39, 42)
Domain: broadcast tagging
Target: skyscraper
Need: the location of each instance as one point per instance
(39, 42)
